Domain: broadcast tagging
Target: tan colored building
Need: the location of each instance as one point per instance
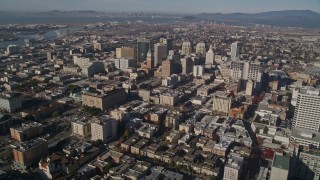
(30, 152)
(167, 68)
(150, 60)
(126, 145)
(169, 99)
(135, 149)
(221, 103)
(249, 88)
(81, 129)
(187, 65)
(160, 53)
(126, 52)
(144, 94)
(26, 131)
(158, 116)
(104, 101)
(186, 127)
(119, 115)
(173, 119)
(103, 128)
(274, 85)
(75, 70)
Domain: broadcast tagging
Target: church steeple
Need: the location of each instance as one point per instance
(210, 49)
(149, 59)
(149, 53)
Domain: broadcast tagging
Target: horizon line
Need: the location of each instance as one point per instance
(143, 11)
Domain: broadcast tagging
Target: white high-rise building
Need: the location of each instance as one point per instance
(246, 70)
(210, 56)
(234, 51)
(123, 63)
(201, 48)
(186, 48)
(198, 71)
(103, 128)
(233, 168)
(307, 112)
(249, 87)
(160, 53)
(80, 128)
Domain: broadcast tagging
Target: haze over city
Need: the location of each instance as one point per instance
(160, 89)
(178, 6)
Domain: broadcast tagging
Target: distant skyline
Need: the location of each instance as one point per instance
(173, 6)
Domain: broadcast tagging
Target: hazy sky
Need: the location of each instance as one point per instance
(181, 6)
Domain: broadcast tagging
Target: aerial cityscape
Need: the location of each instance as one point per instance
(159, 90)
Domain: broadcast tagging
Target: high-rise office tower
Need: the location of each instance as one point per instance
(210, 56)
(187, 65)
(126, 52)
(168, 42)
(143, 46)
(246, 70)
(201, 48)
(186, 48)
(167, 68)
(176, 58)
(160, 53)
(234, 51)
(150, 63)
(307, 112)
(198, 71)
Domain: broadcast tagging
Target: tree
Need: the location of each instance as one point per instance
(161, 177)
(213, 178)
(265, 130)
(125, 135)
(56, 113)
(289, 94)
(257, 130)
(91, 110)
(74, 88)
(29, 117)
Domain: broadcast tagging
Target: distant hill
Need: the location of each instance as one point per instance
(294, 18)
(57, 13)
(287, 18)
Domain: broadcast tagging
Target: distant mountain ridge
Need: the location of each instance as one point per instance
(296, 18)
(287, 18)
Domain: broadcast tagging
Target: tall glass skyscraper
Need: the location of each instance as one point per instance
(143, 46)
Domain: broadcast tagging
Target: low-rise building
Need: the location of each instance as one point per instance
(169, 99)
(30, 152)
(158, 171)
(147, 130)
(81, 128)
(280, 166)
(26, 131)
(233, 168)
(126, 145)
(10, 102)
(104, 100)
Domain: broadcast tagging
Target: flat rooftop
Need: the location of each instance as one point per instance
(306, 134)
(281, 161)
